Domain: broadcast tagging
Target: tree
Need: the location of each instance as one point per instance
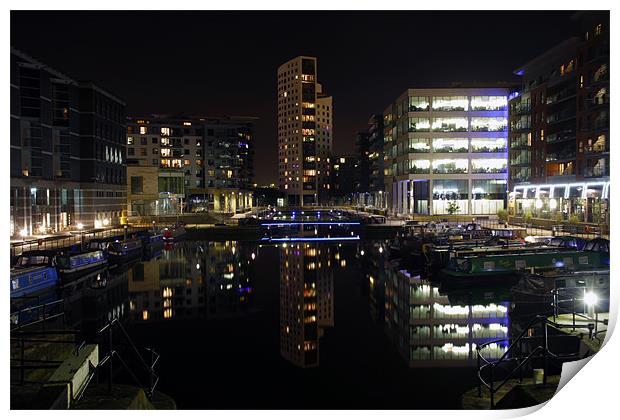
(528, 217)
(502, 214)
(453, 207)
(573, 219)
(559, 217)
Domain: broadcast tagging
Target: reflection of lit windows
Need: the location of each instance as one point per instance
(145, 315)
(166, 292)
(168, 313)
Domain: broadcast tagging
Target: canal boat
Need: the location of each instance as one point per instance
(122, 250)
(72, 265)
(508, 266)
(568, 242)
(174, 232)
(152, 244)
(34, 272)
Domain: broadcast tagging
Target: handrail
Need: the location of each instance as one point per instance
(520, 358)
(150, 369)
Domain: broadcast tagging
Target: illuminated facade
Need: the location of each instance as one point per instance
(67, 152)
(205, 164)
(559, 130)
(306, 301)
(446, 150)
(429, 331)
(305, 129)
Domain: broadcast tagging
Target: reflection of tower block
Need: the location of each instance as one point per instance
(306, 302)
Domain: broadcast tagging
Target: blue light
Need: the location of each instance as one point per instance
(335, 238)
(309, 223)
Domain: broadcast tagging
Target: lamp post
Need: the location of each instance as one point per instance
(80, 226)
(125, 231)
(154, 228)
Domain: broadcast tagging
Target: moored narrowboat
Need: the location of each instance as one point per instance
(508, 266)
(34, 272)
(71, 265)
(124, 249)
(152, 244)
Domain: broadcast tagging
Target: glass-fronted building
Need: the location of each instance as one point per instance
(446, 151)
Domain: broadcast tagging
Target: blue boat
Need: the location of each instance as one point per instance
(71, 265)
(124, 249)
(117, 250)
(34, 272)
(152, 244)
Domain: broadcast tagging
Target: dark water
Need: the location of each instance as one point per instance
(303, 325)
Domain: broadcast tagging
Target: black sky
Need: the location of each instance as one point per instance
(224, 63)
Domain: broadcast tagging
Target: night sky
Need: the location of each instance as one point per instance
(224, 63)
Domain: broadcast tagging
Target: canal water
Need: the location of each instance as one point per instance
(298, 325)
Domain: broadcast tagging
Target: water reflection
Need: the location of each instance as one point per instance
(192, 279)
(429, 330)
(306, 300)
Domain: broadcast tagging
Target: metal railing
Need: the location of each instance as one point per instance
(562, 297)
(112, 352)
(39, 315)
(515, 354)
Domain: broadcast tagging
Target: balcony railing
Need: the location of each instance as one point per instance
(552, 157)
(595, 149)
(560, 136)
(594, 172)
(489, 170)
(521, 109)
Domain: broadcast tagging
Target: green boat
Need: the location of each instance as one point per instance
(509, 266)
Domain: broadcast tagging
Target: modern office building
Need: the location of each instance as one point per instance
(305, 133)
(203, 164)
(67, 153)
(446, 151)
(559, 130)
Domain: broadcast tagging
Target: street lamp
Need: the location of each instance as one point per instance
(80, 226)
(23, 233)
(590, 299)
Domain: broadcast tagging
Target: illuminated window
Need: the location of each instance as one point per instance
(488, 124)
(450, 166)
(142, 130)
(450, 124)
(165, 131)
(488, 166)
(420, 166)
(496, 145)
(129, 140)
(489, 103)
(166, 152)
(419, 103)
(419, 124)
(450, 145)
(450, 103)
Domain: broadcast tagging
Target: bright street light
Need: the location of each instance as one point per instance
(590, 298)
(80, 226)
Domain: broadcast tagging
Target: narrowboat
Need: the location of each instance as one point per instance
(152, 244)
(508, 267)
(34, 272)
(71, 265)
(122, 250)
(568, 242)
(174, 232)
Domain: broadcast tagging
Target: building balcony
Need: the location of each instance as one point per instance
(561, 136)
(595, 172)
(561, 117)
(561, 96)
(558, 157)
(520, 109)
(592, 150)
(489, 170)
(520, 127)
